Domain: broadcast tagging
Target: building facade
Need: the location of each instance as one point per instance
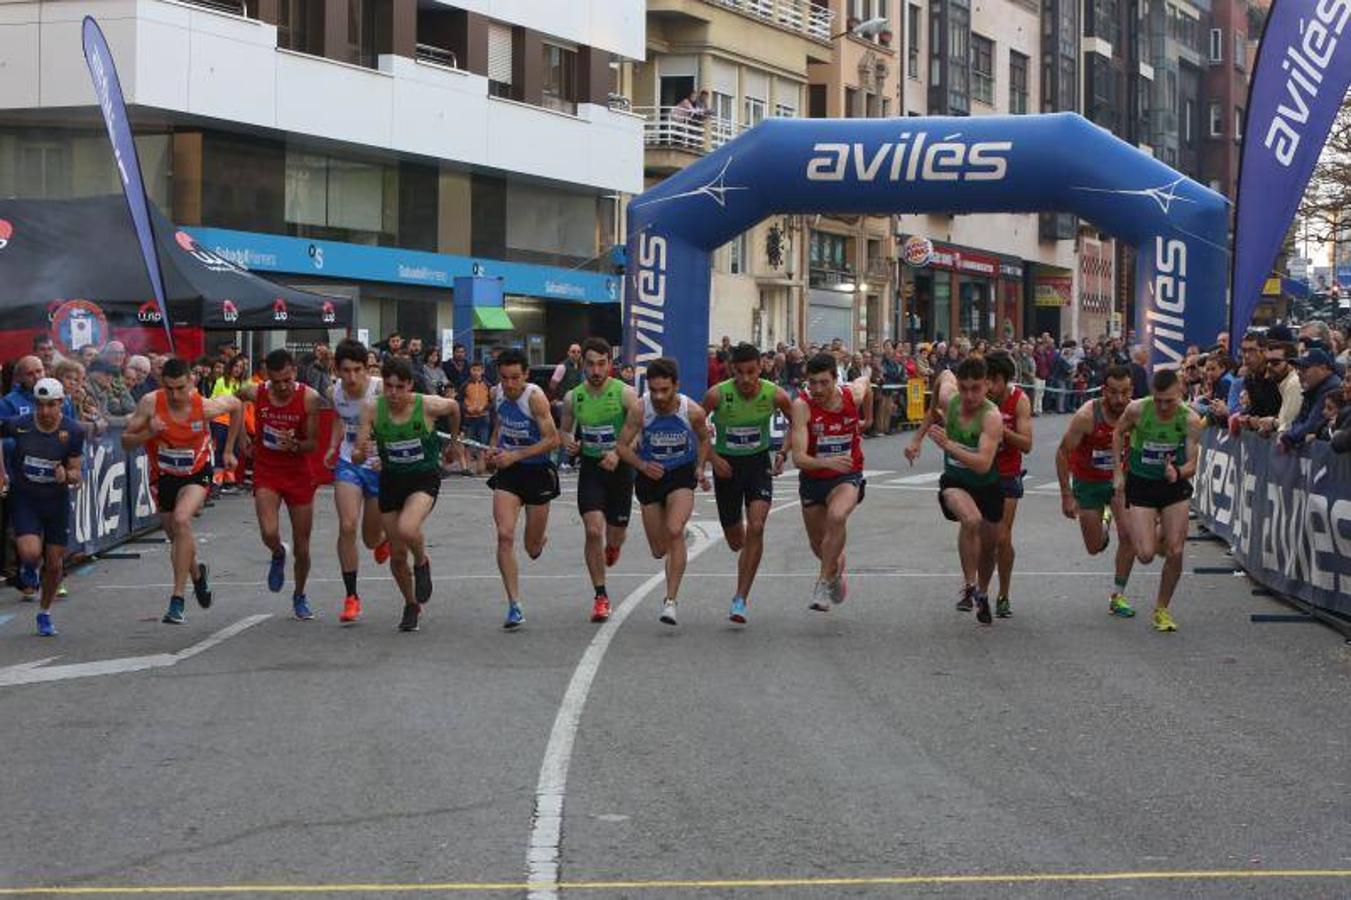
(378, 149)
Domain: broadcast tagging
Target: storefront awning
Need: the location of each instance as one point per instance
(492, 318)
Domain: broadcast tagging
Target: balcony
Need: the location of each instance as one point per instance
(679, 128)
(879, 269)
(802, 16)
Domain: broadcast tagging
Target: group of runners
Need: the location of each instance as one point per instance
(1119, 459)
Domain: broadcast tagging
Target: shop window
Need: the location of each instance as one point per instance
(358, 200)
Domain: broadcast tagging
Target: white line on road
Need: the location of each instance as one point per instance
(922, 478)
(546, 828)
(36, 672)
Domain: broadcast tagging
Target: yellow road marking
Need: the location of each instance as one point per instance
(692, 884)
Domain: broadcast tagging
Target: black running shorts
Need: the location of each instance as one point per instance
(607, 492)
(650, 491)
(989, 498)
(535, 484)
(751, 481)
(1156, 493)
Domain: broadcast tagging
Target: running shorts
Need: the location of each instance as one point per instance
(607, 492)
(167, 487)
(989, 498)
(397, 487)
(651, 491)
(751, 481)
(1092, 494)
(816, 491)
(295, 487)
(46, 517)
(535, 485)
(1012, 486)
(368, 479)
(1156, 493)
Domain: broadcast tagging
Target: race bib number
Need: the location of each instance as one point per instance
(515, 436)
(273, 438)
(175, 461)
(742, 436)
(834, 445)
(602, 437)
(39, 471)
(1155, 453)
(1103, 460)
(409, 451)
(667, 444)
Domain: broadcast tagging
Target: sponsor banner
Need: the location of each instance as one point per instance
(1053, 290)
(1287, 516)
(113, 501)
(655, 324)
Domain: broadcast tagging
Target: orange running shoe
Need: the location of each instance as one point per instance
(382, 553)
(351, 609)
(600, 612)
(611, 556)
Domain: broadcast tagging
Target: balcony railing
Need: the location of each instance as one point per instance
(801, 16)
(681, 128)
(439, 56)
(879, 268)
(234, 7)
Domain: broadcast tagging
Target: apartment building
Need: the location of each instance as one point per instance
(1224, 79)
(378, 149)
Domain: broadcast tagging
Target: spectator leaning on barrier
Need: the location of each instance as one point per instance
(1341, 432)
(45, 350)
(1260, 395)
(20, 400)
(113, 400)
(1281, 371)
(1317, 372)
(1212, 404)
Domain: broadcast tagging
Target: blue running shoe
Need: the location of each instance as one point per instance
(515, 618)
(276, 570)
(45, 626)
(28, 577)
(175, 614)
(300, 605)
(738, 614)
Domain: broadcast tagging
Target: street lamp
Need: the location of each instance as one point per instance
(866, 29)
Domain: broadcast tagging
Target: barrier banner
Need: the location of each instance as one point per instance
(113, 501)
(914, 399)
(1287, 516)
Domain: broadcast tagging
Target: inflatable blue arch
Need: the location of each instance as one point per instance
(1057, 162)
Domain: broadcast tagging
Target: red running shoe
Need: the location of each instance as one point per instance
(611, 556)
(600, 611)
(351, 609)
(382, 553)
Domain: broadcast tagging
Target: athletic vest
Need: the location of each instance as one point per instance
(668, 438)
(182, 448)
(967, 436)
(275, 423)
(1092, 459)
(1009, 460)
(406, 447)
(349, 410)
(1154, 442)
(743, 425)
(516, 425)
(599, 418)
(832, 433)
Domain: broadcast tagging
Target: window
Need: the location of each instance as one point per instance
(1216, 120)
(886, 107)
(360, 48)
(1240, 51)
(300, 26)
(982, 69)
(722, 115)
(816, 101)
(851, 107)
(1188, 114)
(870, 107)
(1217, 45)
(755, 111)
(736, 255)
(560, 78)
(327, 192)
(1017, 82)
(828, 251)
(499, 60)
(1238, 124)
(959, 34)
(912, 42)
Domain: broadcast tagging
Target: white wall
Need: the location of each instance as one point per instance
(619, 26)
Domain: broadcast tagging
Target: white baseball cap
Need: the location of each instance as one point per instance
(49, 389)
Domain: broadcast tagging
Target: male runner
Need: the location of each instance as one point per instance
(47, 451)
(1015, 410)
(174, 425)
(399, 425)
(287, 414)
(969, 491)
(597, 408)
(1086, 452)
(826, 448)
(742, 409)
(523, 438)
(356, 488)
(671, 435)
(1163, 432)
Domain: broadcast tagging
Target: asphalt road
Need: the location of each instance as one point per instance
(892, 747)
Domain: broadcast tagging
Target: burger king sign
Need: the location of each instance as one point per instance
(917, 251)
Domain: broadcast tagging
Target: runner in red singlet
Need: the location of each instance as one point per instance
(827, 450)
(1015, 409)
(287, 414)
(173, 424)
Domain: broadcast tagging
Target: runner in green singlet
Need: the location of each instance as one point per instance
(400, 425)
(1164, 438)
(595, 411)
(742, 409)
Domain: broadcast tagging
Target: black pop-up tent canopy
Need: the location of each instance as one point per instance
(55, 252)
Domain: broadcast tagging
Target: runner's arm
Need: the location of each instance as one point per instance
(633, 423)
(1020, 437)
(982, 458)
(435, 407)
(801, 458)
(334, 440)
(784, 404)
(1120, 435)
(709, 404)
(74, 458)
(311, 424)
(137, 432)
(1074, 436)
(221, 405)
(360, 448)
(247, 392)
(1195, 425)
(567, 426)
(544, 418)
(699, 422)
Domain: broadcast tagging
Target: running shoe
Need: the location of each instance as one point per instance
(738, 613)
(351, 609)
(300, 605)
(820, 597)
(1163, 620)
(200, 588)
(175, 614)
(668, 609)
(1003, 609)
(61, 592)
(422, 581)
(382, 553)
(28, 580)
(600, 610)
(45, 626)
(1118, 605)
(410, 617)
(839, 588)
(276, 570)
(968, 600)
(983, 609)
(515, 618)
(1107, 515)
(611, 556)
(27, 595)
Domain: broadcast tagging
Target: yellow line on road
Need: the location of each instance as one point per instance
(694, 884)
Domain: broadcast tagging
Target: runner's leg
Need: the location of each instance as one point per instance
(679, 504)
(183, 543)
(302, 524)
(399, 566)
(748, 561)
(1004, 552)
(989, 533)
(372, 526)
(969, 520)
(409, 522)
(1093, 529)
(1174, 528)
(506, 507)
(1143, 523)
(814, 520)
(594, 550)
(615, 535)
(1125, 547)
(348, 498)
(267, 503)
(29, 548)
(841, 502)
(536, 529)
(53, 567)
(654, 526)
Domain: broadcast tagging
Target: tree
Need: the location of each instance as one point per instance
(1326, 204)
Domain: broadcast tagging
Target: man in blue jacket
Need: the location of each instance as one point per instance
(1318, 374)
(20, 401)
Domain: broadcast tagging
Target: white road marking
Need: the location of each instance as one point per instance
(36, 671)
(546, 828)
(922, 478)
